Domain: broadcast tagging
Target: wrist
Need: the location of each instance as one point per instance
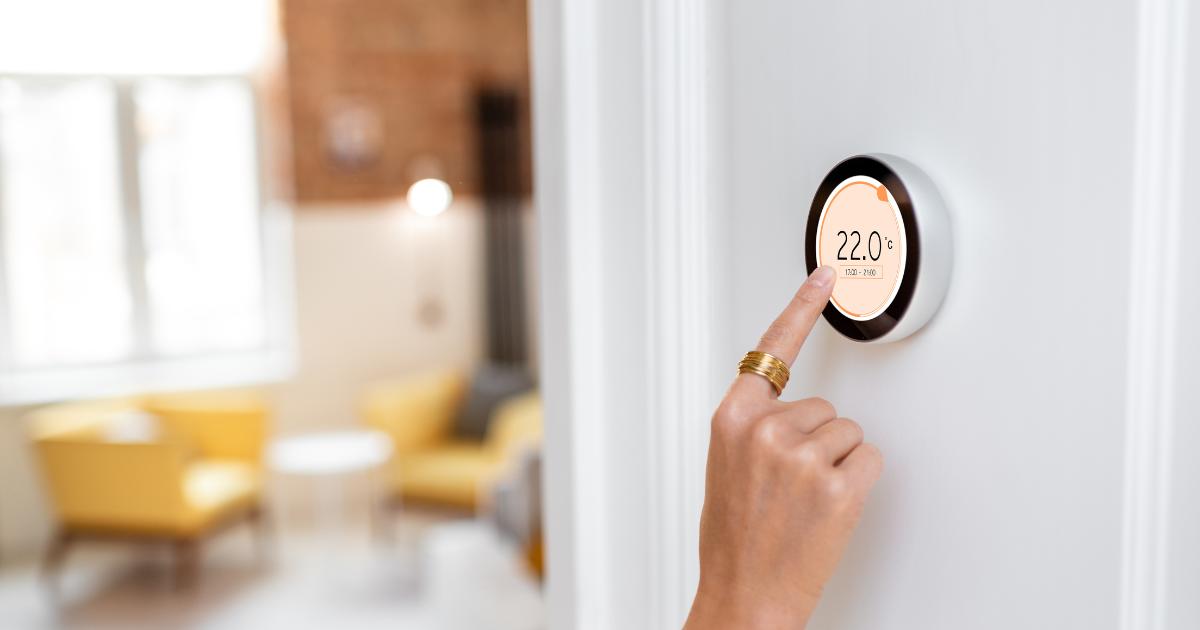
(723, 606)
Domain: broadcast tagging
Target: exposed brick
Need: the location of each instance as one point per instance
(417, 65)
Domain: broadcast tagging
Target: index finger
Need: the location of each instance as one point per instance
(787, 333)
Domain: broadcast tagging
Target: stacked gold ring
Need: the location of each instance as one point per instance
(766, 366)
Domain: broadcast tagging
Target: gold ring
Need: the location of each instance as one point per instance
(766, 366)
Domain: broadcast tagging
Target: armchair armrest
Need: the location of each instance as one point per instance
(416, 412)
(516, 425)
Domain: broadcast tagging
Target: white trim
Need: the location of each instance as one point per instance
(130, 186)
(1154, 302)
(585, 302)
(623, 133)
(567, 160)
(5, 323)
(680, 309)
(127, 378)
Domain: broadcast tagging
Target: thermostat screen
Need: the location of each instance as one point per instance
(861, 235)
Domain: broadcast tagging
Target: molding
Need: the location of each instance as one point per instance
(129, 147)
(567, 125)
(624, 154)
(680, 306)
(1153, 311)
(5, 323)
(586, 338)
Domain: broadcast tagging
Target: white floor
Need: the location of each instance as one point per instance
(438, 575)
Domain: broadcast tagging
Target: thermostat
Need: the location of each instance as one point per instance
(880, 223)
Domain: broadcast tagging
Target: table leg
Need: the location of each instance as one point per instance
(379, 505)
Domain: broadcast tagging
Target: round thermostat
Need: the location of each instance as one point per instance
(880, 223)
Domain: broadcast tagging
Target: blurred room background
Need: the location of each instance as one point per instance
(266, 337)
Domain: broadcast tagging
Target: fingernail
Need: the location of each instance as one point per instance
(822, 277)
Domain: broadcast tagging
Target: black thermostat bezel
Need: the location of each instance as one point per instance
(885, 322)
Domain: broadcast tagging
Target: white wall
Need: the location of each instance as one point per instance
(24, 521)
(363, 275)
(1184, 514)
(361, 272)
(1003, 422)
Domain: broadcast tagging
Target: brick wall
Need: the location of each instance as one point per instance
(382, 91)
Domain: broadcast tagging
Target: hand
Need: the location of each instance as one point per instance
(785, 488)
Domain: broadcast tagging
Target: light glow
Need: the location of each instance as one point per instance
(429, 197)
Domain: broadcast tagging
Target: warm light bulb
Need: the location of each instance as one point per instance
(429, 197)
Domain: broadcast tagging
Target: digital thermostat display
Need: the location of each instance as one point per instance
(880, 223)
(860, 233)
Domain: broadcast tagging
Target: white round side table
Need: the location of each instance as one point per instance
(330, 457)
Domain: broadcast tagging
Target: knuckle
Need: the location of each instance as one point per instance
(821, 407)
(765, 433)
(853, 428)
(807, 455)
(810, 296)
(836, 489)
(727, 410)
(731, 412)
(722, 430)
(776, 335)
(873, 454)
(721, 427)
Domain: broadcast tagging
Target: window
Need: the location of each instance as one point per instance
(137, 250)
(60, 203)
(199, 192)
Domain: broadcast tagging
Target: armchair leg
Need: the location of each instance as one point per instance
(56, 555)
(187, 562)
(261, 525)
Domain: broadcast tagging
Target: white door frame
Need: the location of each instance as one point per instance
(1157, 586)
(628, 144)
(624, 141)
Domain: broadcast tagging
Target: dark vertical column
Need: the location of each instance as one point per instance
(504, 260)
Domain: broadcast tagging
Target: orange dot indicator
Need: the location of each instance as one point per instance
(881, 193)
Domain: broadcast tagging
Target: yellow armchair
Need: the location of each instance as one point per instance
(418, 413)
(164, 467)
(431, 464)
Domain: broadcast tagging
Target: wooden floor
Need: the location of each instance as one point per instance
(438, 574)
